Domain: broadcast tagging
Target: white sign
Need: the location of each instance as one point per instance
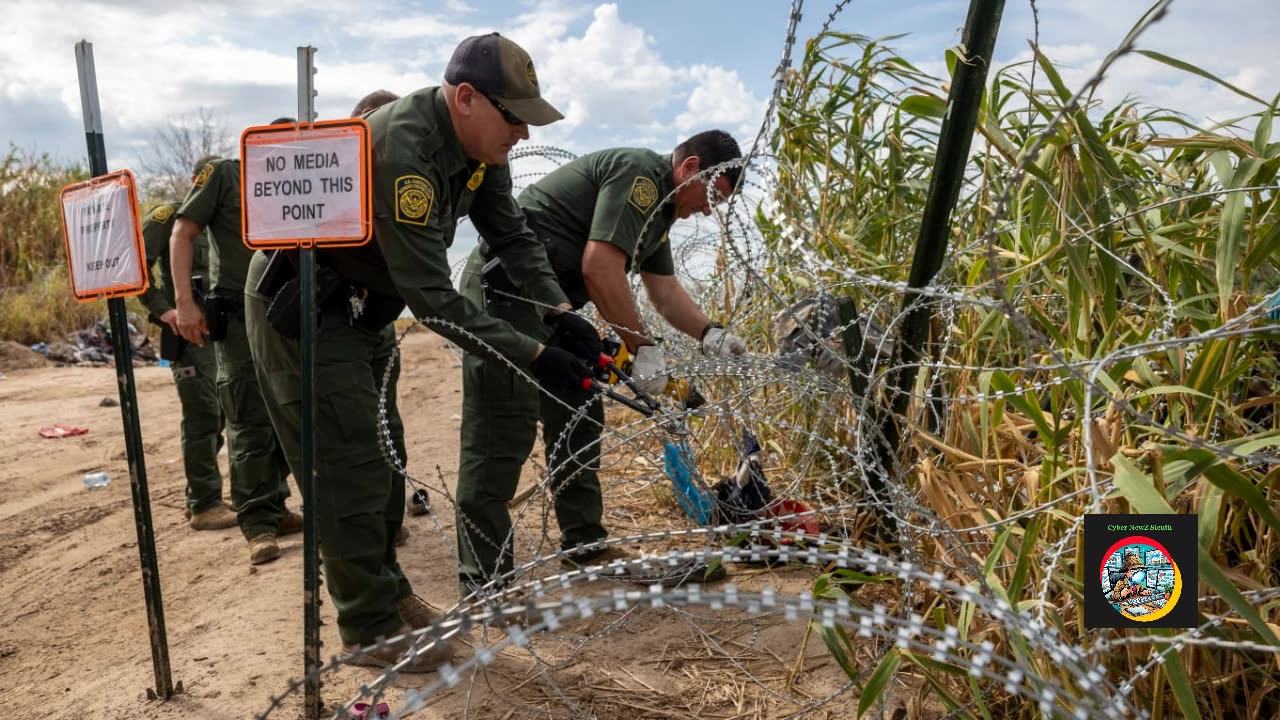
(306, 186)
(103, 236)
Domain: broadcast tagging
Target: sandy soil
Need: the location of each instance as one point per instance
(73, 634)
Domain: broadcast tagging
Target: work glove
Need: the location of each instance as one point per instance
(649, 369)
(573, 333)
(718, 342)
(559, 371)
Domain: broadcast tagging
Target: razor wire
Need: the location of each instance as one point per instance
(819, 440)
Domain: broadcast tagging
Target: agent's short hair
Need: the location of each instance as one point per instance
(283, 120)
(712, 147)
(373, 101)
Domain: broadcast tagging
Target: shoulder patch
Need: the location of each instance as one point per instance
(205, 173)
(477, 177)
(162, 213)
(643, 194)
(414, 196)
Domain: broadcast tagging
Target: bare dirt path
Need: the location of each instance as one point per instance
(73, 634)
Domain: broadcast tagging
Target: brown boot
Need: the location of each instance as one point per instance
(186, 511)
(599, 557)
(388, 654)
(263, 548)
(291, 523)
(417, 613)
(402, 536)
(217, 517)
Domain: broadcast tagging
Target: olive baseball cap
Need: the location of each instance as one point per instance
(502, 70)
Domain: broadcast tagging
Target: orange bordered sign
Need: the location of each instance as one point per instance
(304, 186)
(102, 234)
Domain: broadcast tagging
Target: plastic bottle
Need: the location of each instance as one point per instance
(96, 480)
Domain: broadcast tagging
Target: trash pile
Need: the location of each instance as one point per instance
(91, 347)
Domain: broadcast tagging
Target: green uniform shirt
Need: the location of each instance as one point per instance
(422, 185)
(214, 202)
(607, 196)
(156, 229)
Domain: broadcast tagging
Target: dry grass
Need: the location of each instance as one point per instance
(43, 309)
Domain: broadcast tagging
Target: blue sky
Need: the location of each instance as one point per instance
(625, 73)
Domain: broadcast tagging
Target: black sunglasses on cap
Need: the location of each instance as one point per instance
(506, 114)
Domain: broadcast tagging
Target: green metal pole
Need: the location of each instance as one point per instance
(312, 703)
(122, 352)
(956, 138)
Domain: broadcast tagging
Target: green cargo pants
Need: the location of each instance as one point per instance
(500, 414)
(359, 502)
(195, 374)
(259, 474)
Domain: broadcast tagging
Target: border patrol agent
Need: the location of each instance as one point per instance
(590, 213)
(258, 470)
(437, 154)
(195, 374)
(277, 356)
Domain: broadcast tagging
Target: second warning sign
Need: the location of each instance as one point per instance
(305, 186)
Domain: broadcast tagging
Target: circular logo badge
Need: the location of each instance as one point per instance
(1139, 579)
(413, 203)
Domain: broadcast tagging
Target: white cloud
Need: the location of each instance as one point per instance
(610, 75)
(157, 61)
(722, 100)
(417, 27)
(1227, 39)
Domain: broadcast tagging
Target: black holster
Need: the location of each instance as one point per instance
(285, 311)
(220, 308)
(171, 343)
(493, 277)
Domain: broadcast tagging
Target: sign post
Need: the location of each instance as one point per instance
(312, 701)
(103, 236)
(304, 187)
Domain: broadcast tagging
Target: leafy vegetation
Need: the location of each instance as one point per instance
(1134, 233)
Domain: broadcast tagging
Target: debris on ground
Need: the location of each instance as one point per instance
(109, 402)
(16, 356)
(91, 347)
(61, 431)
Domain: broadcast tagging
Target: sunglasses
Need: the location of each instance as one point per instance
(506, 114)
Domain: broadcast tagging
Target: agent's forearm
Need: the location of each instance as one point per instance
(181, 252)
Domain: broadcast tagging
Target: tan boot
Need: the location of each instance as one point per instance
(402, 536)
(291, 523)
(417, 613)
(388, 654)
(263, 548)
(217, 517)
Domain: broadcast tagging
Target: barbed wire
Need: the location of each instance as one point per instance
(1004, 453)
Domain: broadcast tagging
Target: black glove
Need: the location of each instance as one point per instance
(559, 371)
(573, 333)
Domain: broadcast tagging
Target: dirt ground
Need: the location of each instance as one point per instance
(73, 632)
